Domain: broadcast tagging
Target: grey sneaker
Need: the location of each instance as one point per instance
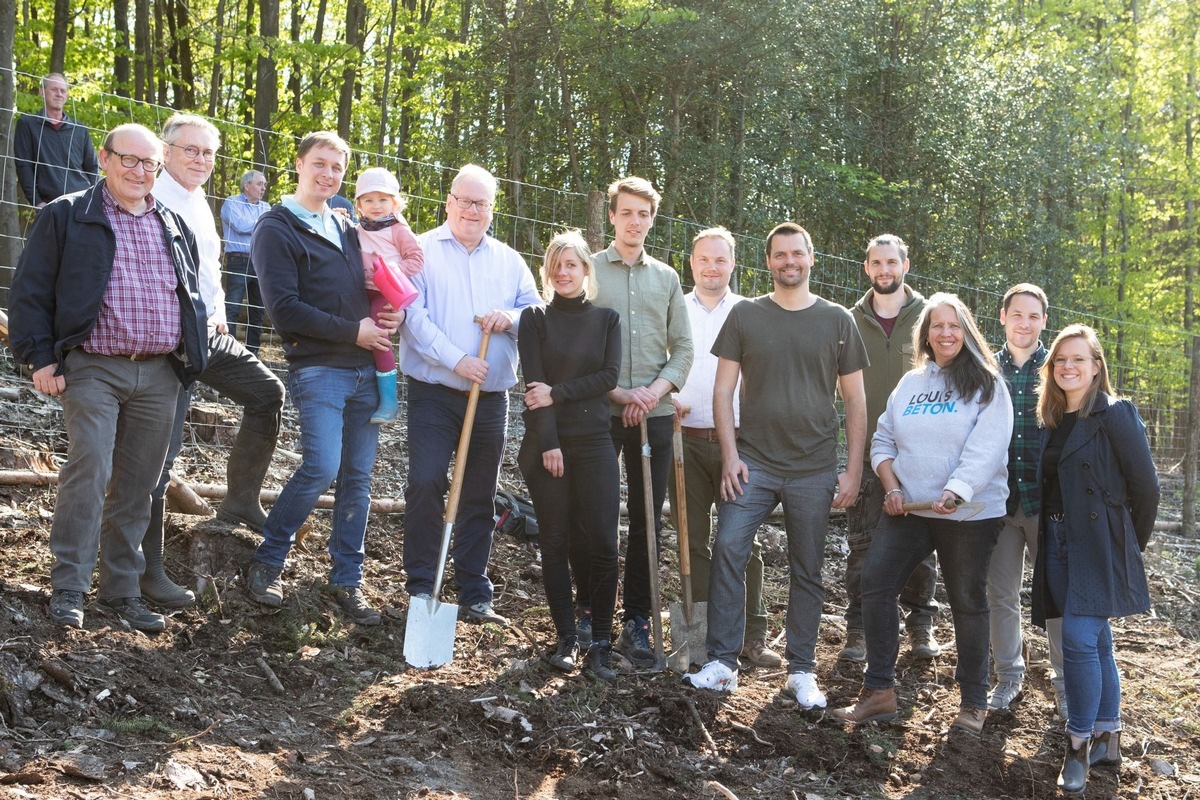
(922, 644)
(598, 662)
(355, 604)
(134, 611)
(66, 607)
(634, 642)
(583, 626)
(1000, 698)
(481, 612)
(263, 584)
(855, 648)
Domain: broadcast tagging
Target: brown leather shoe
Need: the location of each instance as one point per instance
(874, 705)
(757, 653)
(969, 720)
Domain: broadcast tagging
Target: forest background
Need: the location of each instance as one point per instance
(1005, 140)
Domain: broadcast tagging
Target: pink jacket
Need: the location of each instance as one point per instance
(398, 246)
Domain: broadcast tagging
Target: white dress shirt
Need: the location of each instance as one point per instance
(697, 393)
(193, 207)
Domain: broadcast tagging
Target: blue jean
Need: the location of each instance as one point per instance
(806, 503)
(1090, 672)
(435, 420)
(338, 441)
(964, 550)
(118, 416)
(241, 282)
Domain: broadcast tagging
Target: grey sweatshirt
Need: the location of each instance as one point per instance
(938, 440)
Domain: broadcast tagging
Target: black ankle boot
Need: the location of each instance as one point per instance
(566, 654)
(1106, 749)
(1073, 776)
(599, 661)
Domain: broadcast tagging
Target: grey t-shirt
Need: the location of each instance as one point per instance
(790, 362)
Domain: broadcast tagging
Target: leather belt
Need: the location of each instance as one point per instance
(141, 356)
(707, 434)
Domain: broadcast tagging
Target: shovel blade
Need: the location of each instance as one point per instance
(688, 644)
(429, 633)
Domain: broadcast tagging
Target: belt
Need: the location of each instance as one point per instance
(1058, 517)
(707, 434)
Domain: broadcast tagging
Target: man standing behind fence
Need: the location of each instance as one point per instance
(54, 154)
(656, 355)
(467, 274)
(239, 214)
(232, 370)
(106, 313)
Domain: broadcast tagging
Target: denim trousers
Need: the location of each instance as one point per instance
(963, 550)
(1005, 577)
(236, 373)
(339, 442)
(584, 503)
(806, 502)
(241, 283)
(702, 468)
(118, 416)
(435, 419)
(1090, 672)
(917, 596)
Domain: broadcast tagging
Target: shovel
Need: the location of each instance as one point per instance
(429, 631)
(963, 510)
(689, 621)
(660, 659)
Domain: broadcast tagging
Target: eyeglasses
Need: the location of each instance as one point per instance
(1077, 361)
(191, 151)
(130, 161)
(483, 206)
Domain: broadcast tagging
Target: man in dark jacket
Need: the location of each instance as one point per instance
(105, 311)
(54, 154)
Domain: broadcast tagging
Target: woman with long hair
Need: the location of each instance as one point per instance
(570, 356)
(1099, 500)
(942, 440)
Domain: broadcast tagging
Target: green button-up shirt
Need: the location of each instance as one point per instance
(656, 337)
(1025, 447)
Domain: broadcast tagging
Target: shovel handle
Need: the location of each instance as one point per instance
(680, 509)
(928, 506)
(464, 438)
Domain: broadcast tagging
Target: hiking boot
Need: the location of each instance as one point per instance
(874, 705)
(133, 611)
(715, 676)
(1072, 778)
(922, 644)
(634, 642)
(757, 653)
(566, 655)
(803, 687)
(156, 585)
(263, 584)
(481, 613)
(1105, 749)
(855, 648)
(355, 604)
(1000, 698)
(598, 661)
(583, 626)
(969, 720)
(66, 608)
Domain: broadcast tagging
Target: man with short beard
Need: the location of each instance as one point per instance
(885, 317)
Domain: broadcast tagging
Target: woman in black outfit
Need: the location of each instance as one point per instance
(570, 355)
(1099, 499)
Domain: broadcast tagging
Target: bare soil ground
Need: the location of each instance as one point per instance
(105, 712)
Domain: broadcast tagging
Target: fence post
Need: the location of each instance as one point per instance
(1191, 441)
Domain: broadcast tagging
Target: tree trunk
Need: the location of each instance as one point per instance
(318, 35)
(387, 82)
(356, 31)
(186, 93)
(10, 238)
(159, 56)
(143, 59)
(58, 47)
(294, 88)
(121, 65)
(266, 98)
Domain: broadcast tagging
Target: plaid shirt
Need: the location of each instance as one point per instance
(1023, 449)
(139, 314)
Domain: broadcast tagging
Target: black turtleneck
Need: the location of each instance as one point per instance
(575, 347)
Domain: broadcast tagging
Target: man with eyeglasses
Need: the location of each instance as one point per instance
(467, 274)
(53, 153)
(232, 370)
(239, 215)
(1023, 313)
(105, 311)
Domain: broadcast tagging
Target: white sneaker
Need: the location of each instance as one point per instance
(803, 687)
(713, 675)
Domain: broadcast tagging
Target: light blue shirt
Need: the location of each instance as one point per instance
(455, 287)
(238, 216)
(321, 221)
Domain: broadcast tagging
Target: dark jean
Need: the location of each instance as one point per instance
(1090, 672)
(241, 283)
(584, 503)
(964, 550)
(917, 597)
(236, 373)
(435, 420)
(337, 440)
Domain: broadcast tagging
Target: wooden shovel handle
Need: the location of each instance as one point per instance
(464, 438)
(956, 502)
